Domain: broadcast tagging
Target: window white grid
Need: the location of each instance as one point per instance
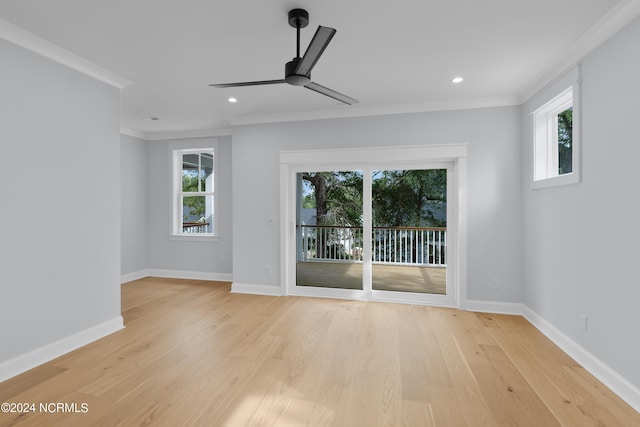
(199, 225)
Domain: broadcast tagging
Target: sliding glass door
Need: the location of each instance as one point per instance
(409, 230)
(373, 233)
(381, 223)
(329, 239)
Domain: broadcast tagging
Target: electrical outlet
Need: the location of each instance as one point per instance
(583, 321)
(495, 283)
(267, 270)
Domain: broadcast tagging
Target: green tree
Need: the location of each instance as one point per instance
(409, 197)
(338, 201)
(309, 201)
(337, 196)
(400, 197)
(195, 204)
(565, 141)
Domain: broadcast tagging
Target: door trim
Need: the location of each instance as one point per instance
(366, 159)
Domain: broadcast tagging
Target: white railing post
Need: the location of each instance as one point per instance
(390, 245)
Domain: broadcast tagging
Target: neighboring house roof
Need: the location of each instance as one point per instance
(438, 210)
(308, 216)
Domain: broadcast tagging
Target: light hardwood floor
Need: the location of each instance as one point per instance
(193, 354)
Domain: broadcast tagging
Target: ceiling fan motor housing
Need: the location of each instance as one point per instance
(290, 75)
(298, 17)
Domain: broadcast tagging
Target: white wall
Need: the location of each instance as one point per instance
(60, 210)
(135, 216)
(495, 201)
(581, 241)
(211, 260)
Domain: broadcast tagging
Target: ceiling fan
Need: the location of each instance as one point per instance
(297, 72)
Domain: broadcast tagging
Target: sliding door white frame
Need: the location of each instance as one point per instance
(452, 157)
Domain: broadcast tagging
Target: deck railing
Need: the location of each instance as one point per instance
(390, 245)
(195, 227)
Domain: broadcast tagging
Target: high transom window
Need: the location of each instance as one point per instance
(556, 142)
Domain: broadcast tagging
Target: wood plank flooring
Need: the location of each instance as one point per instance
(193, 354)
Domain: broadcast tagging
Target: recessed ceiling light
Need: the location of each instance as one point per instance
(457, 80)
(232, 100)
(145, 116)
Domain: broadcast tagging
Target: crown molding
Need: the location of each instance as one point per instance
(618, 17)
(42, 47)
(349, 112)
(324, 114)
(183, 134)
(134, 133)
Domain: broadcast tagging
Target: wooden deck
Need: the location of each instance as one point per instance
(348, 275)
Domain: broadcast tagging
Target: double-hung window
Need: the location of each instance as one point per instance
(194, 192)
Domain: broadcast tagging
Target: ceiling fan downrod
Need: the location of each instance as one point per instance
(297, 38)
(298, 18)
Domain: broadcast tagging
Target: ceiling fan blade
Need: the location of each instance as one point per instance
(257, 83)
(318, 44)
(331, 93)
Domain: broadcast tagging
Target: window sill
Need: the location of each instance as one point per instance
(194, 237)
(556, 181)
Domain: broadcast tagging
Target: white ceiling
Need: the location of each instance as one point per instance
(393, 56)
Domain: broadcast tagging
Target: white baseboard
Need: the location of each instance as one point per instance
(193, 275)
(616, 382)
(136, 275)
(494, 307)
(46, 353)
(176, 274)
(244, 288)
